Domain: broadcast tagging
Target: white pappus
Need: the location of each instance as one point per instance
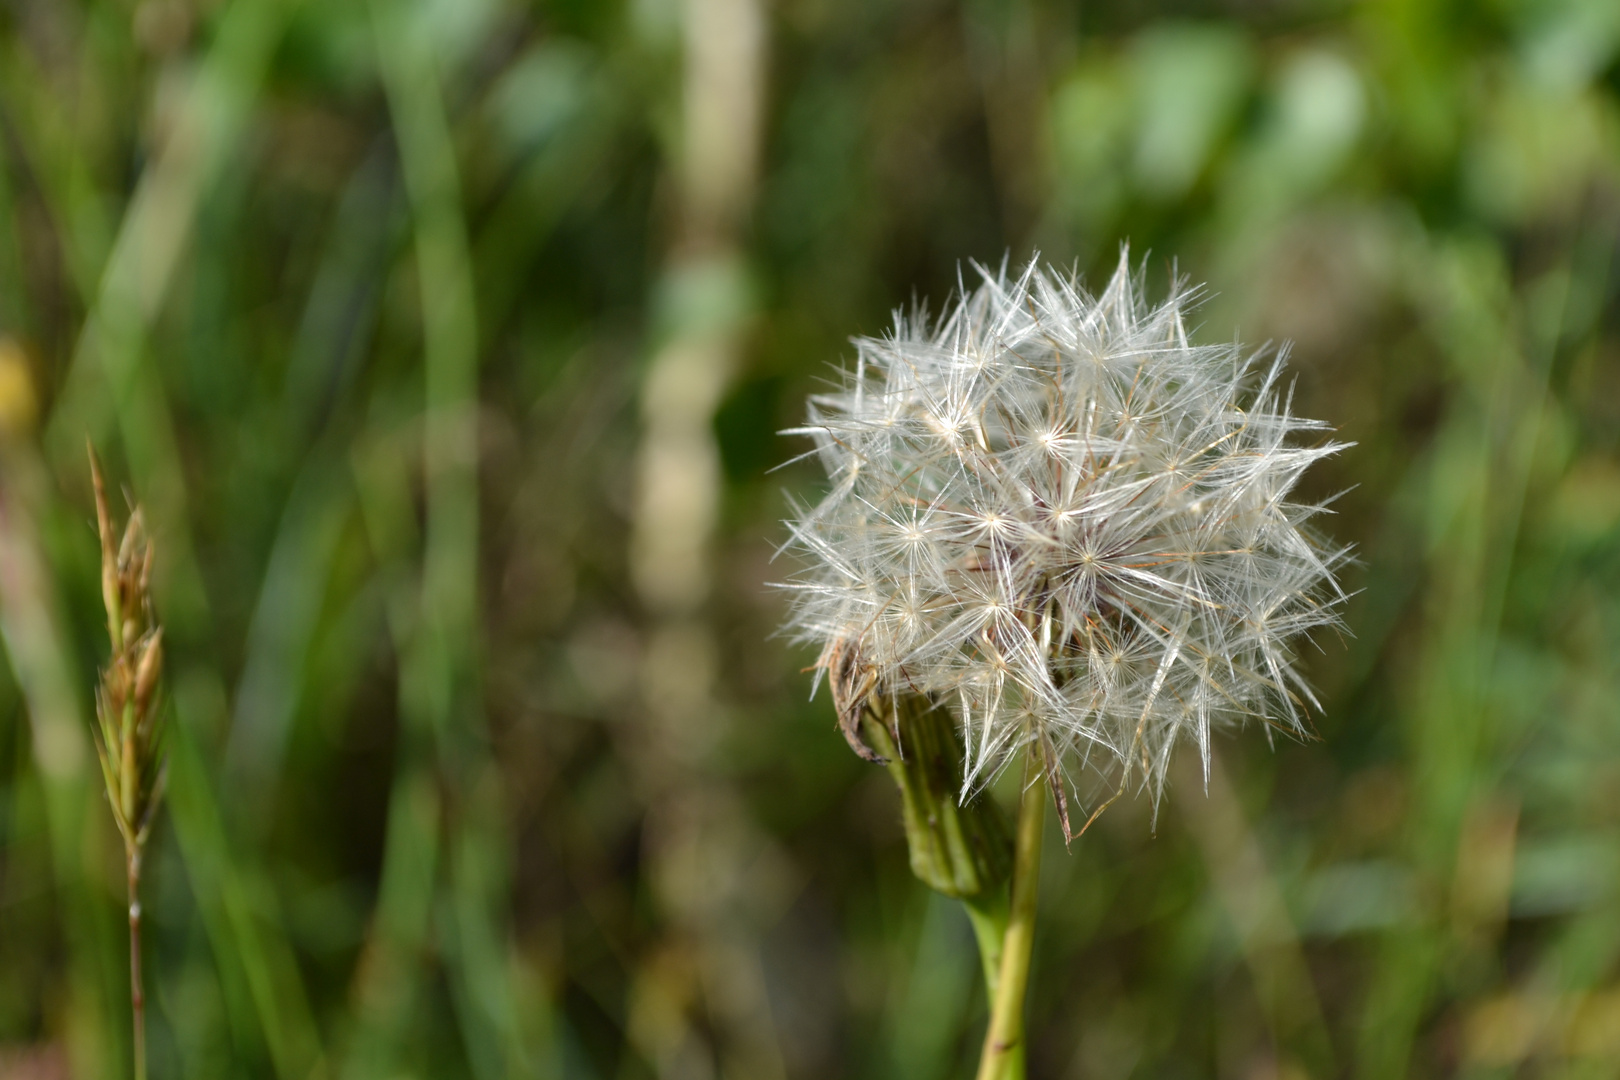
(1054, 515)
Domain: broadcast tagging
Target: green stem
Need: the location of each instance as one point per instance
(989, 919)
(1003, 1056)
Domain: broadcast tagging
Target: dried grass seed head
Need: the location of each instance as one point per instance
(1052, 512)
(129, 729)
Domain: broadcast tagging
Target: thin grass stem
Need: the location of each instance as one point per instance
(137, 995)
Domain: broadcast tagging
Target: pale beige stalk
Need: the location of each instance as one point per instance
(698, 830)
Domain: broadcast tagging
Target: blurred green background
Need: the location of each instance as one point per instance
(445, 344)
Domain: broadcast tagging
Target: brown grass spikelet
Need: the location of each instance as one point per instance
(129, 713)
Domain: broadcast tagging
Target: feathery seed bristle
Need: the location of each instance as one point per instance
(1054, 514)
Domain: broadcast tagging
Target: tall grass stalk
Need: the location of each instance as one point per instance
(129, 729)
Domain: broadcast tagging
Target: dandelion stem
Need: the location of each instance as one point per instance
(1003, 1056)
(989, 919)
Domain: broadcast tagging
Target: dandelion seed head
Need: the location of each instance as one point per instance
(1051, 512)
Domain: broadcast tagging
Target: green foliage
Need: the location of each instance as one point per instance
(358, 296)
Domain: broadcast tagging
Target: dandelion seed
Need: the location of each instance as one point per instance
(1054, 515)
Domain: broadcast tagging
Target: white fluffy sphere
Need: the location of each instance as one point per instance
(1052, 514)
